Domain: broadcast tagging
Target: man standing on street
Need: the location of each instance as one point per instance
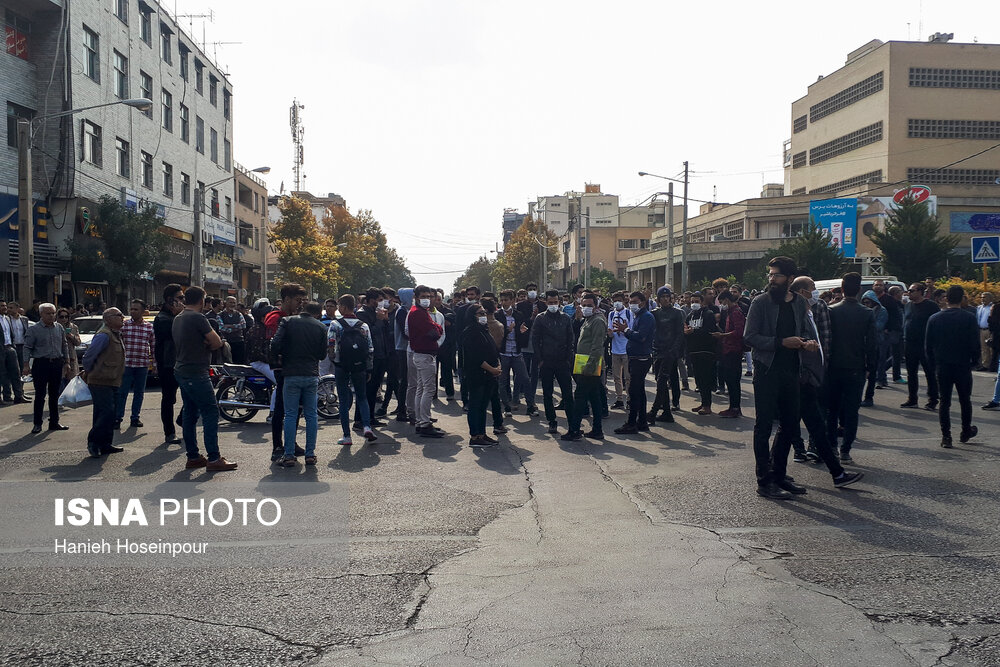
(983, 323)
(552, 340)
(514, 372)
(619, 360)
(233, 327)
(891, 337)
(640, 350)
(165, 355)
(292, 297)
(45, 344)
(953, 349)
(11, 362)
(778, 328)
(194, 340)
(668, 345)
(731, 352)
(19, 328)
(423, 333)
(300, 344)
(700, 329)
(853, 349)
(103, 366)
(918, 311)
(139, 340)
(589, 385)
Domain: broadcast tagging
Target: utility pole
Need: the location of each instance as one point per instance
(670, 233)
(684, 232)
(196, 277)
(586, 282)
(25, 219)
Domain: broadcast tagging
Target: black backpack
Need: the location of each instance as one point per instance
(353, 346)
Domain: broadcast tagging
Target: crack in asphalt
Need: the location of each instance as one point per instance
(791, 635)
(608, 477)
(933, 619)
(414, 616)
(532, 500)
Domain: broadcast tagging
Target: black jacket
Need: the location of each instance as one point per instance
(953, 338)
(163, 349)
(520, 339)
(379, 330)
(854, 345)
(552, 339)
(477, 347)
(299, 345)
(915, 317)
(669, 340)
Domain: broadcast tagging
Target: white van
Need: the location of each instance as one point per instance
(866, 283)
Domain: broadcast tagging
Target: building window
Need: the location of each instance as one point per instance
(256, 202)
(147, 169)
(229, 208)
(644, 244)
(17, 30)
(15, 112)
(246, 234)
(846, 97)
(199, 134)
(168, 179)
(953, 129)
(199, 73)
(185, 124)
(847, 143)
(933, 176)
(166, 52)
(168, 110)
(227, 154)
(182, 53)
(799, 160)
(185, 189)
(213, 90)
(91, 54)
(853, 182)
(800, 124)
(781, 229)
(91, 143)
(121, 76)
(121, 10)
(146, 23)
(734, 231)
(227, 104)
(583, 243)
(146, 90)
(934, 77)
(799, 191)
(215, 203)
(628, 244)
(124, 161)
(213, 145)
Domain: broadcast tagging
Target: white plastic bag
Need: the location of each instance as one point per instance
(76, 394)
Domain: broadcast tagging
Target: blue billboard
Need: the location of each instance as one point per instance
(838, 218)
(972, 221)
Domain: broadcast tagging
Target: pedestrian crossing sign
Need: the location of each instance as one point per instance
(985, 249)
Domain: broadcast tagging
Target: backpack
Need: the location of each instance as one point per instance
(258, 345)
(353, 346)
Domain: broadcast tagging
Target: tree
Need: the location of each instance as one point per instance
(605, 282)
(121, 246)
(479, 273)
(306, 256)
(811, 251)
(521, 261)
(367, 260)
(911, 245)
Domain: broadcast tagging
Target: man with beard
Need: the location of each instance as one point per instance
(777, 329)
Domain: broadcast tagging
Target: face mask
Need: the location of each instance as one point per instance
(619, 305)
(587, 311)
(579, 299)
(482, 319)
(425, 303)
(470, 300)
(553, 309)
(634, 307)
(384, 303)
(906, 299)
(508, 309)
(815, 295)
(532, 294)
(695, 306)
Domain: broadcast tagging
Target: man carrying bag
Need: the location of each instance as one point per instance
(587, 371)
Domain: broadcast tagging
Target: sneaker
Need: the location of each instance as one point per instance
(845, 457)
(531, 411)
(288, 462)
(651, 417)
(381, 412)
(899, 381)
(705, 411)
(617, 405)
(969, 435)
(868, 403)
(172, 439)
(773, 491)
(992, 405)
(627, 429)
(220, 465)
(909, 404)
(931, 406)
(572, 435)
(882, 386)
(734, 413)
(553, 428)
(676, 407)
(946, 442)
(199, 462)
(748, 374)
(489, 440)
(135, 423)
(430, 432)
(500, 430)
(800, 457)
(506, 410)
(812, 456)
(481, 442)
(594, 435)
(847, 478)
(370, 435)
(345, 441)
(665, 418)
(642, 428)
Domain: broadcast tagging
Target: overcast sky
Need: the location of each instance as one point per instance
(438, 114)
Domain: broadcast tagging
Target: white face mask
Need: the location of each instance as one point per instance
(634, 307)
(532, 294)
(695, 306)
(579, 299)
(384, 303)
(425, 303)
(815, 295)
(470, 300)
(587, 311)
(906, 299)
(619, 305)
(482, 319)
(553, 309)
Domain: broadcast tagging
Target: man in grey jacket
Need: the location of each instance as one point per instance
(777, 329)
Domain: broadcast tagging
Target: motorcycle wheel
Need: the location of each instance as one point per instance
(229, 392)
(327, 402)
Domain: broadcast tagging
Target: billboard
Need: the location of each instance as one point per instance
(838, 218)
(974, 221)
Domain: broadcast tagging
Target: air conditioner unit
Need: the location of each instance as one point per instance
(718, 237)
(207, 238)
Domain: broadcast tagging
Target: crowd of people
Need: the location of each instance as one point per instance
(814, 359)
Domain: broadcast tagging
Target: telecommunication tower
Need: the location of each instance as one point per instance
(298, 132)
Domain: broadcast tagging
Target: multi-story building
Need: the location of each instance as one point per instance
(251, 219)
(511, 221)
(106, 51)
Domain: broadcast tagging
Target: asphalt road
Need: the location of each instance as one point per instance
(649, 549)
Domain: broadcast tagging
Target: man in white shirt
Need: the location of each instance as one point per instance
(983, 317)
(10, 368)
(619, 360)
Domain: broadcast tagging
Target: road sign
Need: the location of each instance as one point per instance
(985, 249)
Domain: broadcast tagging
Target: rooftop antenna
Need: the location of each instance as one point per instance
(191, 17)
(298, 134)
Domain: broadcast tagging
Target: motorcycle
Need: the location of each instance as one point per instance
(243, 391)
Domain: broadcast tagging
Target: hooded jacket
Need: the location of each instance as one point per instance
(881, 314)
(405, 295)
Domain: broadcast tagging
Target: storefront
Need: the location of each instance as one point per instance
(176, 265)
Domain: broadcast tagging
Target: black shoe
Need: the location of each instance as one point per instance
(992, 405)
(381, 412)
(800, 457)
(748, 374)
(172, 439)
(773, 491)
(277, 454)
(642, 427)
(845, 457)
(931, 406)
(553, 428)
(21, 399)
(868, 403)
(627, 429)
(507, 410)
(135, 423)
(909, 404)
(812, 456)
(531, 411)
(60, 427)
(430, 432)
(946, 442)
(572, 435)
(377, 423)
(402, 418)
(675, 406)
(94, 450)
(665, 418)
(651, 416)
(792, 487)
(594, 435)
(118, 424)
(36, 429)
(617, 405)
(847, 478)
(970, 434)
(111, 449)
(299, 451)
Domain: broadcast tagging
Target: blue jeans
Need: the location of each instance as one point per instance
(133, 379)
(300, 390)
(199, 399)
(348, 384)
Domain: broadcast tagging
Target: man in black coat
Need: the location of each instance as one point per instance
(953, 349)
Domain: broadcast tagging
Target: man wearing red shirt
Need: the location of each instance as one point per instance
(293, 296)
(423, 333)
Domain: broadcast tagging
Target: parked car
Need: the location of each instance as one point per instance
(866, 283)
(89, 325)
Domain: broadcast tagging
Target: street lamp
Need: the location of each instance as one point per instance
(684, 227)
(199, 198)
(26, 232)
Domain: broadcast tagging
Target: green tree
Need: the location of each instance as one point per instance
(911, 244)
(367, 260)
(521, 261)
(479, 273)
(121, 246)
(306, 256)
(604, 281)
(811, 251)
